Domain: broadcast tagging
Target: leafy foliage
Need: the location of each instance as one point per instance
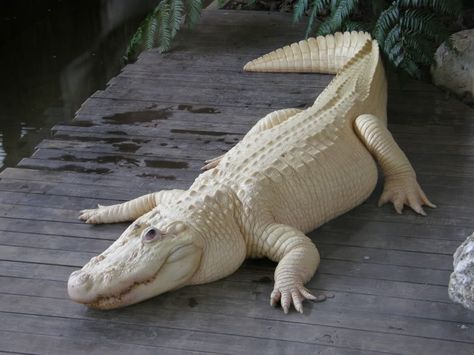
(408, 31)
(160, 27)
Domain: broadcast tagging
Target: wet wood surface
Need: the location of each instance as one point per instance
(385, 276)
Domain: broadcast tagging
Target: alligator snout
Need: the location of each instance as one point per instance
(79, 285)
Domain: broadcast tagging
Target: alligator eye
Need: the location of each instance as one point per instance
(151, 235)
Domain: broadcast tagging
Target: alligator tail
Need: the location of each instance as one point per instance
(326, 54)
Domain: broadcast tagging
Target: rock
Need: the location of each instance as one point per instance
(454, 68)
(461, 282)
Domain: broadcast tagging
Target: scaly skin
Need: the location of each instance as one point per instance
(292, 172)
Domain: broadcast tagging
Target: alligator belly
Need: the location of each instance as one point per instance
(334, 182)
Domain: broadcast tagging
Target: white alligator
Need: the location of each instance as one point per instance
(293, 171)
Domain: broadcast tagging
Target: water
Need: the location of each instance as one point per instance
(54, 54)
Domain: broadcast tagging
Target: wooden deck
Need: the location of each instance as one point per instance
(385, 276)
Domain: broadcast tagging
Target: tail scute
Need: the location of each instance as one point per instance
(326, 54)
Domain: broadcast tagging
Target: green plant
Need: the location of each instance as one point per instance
(408, 31)
(160, 26)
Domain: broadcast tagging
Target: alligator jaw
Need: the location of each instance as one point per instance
(180, 265)
(120, 300)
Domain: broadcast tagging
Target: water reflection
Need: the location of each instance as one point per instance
(54, 54)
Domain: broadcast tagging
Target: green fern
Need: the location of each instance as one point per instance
(340, 11)
(299, 9)
(408, 31)
(176, 16)
(160, 27)
(315, 7)
(149, 33)
(164, 31)
(193, 12)
(354, 26)
(440, 6)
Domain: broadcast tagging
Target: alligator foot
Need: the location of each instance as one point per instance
(94, 215)
(290, 295)
(404, 190)
(212, 163)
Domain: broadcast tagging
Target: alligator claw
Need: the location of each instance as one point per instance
(403, 190)
(288, 296)
(91, 216)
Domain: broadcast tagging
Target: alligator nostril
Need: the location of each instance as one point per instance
(83, 278)
(79, 285)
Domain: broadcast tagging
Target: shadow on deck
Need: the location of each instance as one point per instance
(386, 275)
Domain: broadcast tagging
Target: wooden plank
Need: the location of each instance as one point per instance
(249, 276)
(436, 252)
(425, 268)
(400, 110)
(262, 323)
(450, 186)
(157, 174)
(444, 215)
(97, 180)
(184, 150)
(373, 321)
(54, 242)
(58, 344)
(151, 338)
(65, 177)
(76, 229)
(345, 337)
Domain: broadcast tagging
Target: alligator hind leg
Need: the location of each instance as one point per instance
(269, 121)
(297, 259)
(127, 211)
(400, 186)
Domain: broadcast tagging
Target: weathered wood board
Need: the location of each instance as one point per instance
(385, 275)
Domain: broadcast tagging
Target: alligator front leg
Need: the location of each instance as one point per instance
(127, 211)
(298, 260)
(400, 186)
(269, 121)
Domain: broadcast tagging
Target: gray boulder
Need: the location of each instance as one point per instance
(461, 282)
(454, 69)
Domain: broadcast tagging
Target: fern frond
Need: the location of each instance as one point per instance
(411, 68)
(193, 12)
(164, 32)
(423, 22)
(134, 44)
(387, 20)
(340, 11)
(393, 45)
(444, 7)
(421, 49)
(176, 16)
(312, 16)
(150, 27)
(395, 51)
(353, 26)
(408, 31)
(299, 9)
(317, 6)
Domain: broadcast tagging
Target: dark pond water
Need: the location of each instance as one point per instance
(54, 54)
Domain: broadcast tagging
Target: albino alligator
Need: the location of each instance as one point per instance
(293, 171)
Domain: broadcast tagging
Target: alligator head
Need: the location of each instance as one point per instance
(154, 255)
